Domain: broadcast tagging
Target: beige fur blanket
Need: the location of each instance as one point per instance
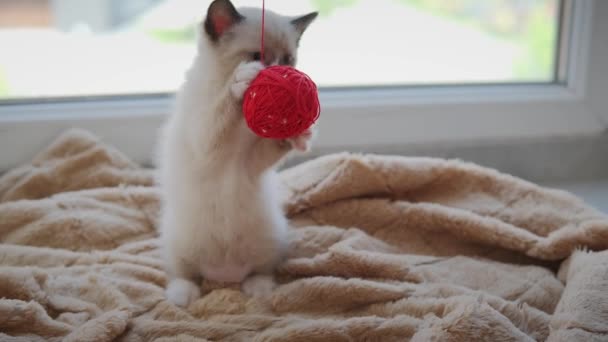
(385, 249)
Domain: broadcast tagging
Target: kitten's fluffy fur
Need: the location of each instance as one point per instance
(221, 218)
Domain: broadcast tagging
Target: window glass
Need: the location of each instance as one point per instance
(66, 48)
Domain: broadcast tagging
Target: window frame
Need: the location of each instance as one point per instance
(369, 118)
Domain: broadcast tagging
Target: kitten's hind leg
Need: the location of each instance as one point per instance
(259, 285)
(182, 291)
(182, 288)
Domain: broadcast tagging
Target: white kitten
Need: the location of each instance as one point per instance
(221, 217)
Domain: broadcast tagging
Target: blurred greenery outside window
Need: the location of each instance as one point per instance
(71, 48)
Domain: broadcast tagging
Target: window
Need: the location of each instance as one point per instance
(422, 42)
(67, 48)
(457, 71)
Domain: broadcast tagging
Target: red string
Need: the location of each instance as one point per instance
(263, 17)
(281, 102)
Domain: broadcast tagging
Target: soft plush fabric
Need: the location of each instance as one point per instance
(383, 249)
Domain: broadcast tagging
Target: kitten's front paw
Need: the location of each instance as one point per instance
(303, 142)
(182, 292)
(259, 285)
(244, 74)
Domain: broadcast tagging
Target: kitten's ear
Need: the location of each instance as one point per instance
(221, 15)
(301, 23)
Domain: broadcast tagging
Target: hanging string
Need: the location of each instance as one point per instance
(263, 18)
(281, 102)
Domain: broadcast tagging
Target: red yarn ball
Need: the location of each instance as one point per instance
(281, 102)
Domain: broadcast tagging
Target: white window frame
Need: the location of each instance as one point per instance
(370, 118)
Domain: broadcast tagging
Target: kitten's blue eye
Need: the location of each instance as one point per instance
(287, 60)
(256, 56)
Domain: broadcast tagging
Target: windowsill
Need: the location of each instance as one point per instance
(542, 160)
(466, 119)
(593, 192)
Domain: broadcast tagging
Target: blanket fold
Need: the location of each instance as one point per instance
(383, 248)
